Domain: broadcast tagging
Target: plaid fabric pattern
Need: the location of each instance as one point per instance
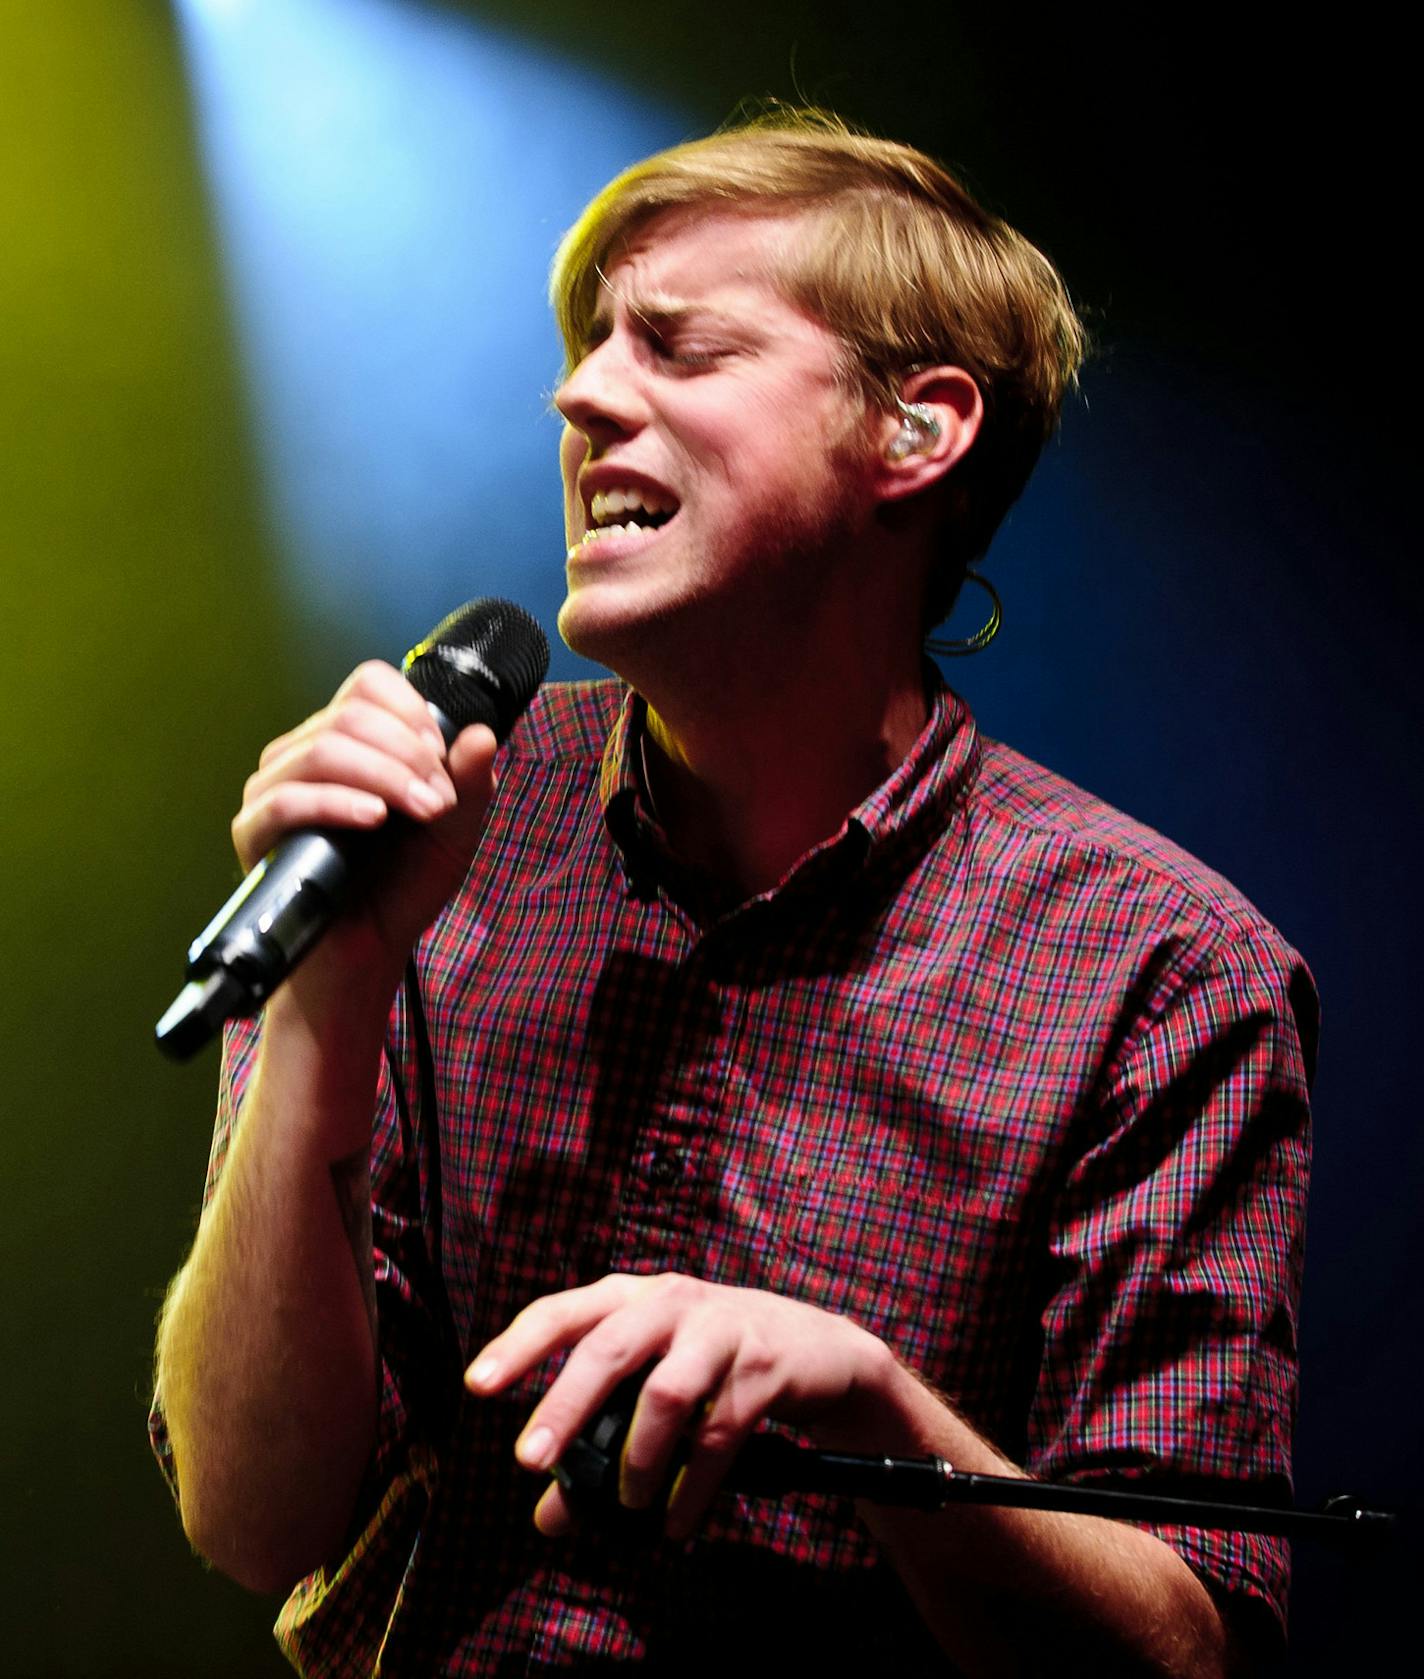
(996, 1071)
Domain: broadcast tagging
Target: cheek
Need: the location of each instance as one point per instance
(801, 437)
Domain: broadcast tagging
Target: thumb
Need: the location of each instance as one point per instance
(470, 763)
(434, 856)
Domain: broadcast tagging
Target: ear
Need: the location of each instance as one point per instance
(914, 456)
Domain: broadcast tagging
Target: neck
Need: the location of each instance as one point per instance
(746, 785)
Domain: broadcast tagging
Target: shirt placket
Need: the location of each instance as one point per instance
(659, 1226)
(665, 1188)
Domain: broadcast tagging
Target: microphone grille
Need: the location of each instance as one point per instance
(481, 664)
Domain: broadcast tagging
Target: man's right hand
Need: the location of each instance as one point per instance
(374, 751)
(267, 1351)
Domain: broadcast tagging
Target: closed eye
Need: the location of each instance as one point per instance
(685, 355)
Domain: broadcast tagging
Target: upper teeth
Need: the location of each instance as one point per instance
(609, 504)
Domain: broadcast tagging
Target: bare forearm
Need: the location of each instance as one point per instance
(1024, 1592)
(266, 1352)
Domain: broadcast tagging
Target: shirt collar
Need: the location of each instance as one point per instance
(910, 807)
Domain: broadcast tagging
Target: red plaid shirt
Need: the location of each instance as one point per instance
(995, 1071)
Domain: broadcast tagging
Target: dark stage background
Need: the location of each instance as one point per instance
(1208, 622)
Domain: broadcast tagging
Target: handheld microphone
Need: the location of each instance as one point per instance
(482, 664)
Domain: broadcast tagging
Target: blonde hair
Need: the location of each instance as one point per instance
(897, 259)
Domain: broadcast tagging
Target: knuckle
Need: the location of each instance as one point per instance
(272, 750)
(756, 1358)
(675, 1287)
(670, 1395)
(282, 806)
(319, 759)
(349, 714)
(720, 1436)
(364, 682)
(364, 715)
(620, 1288)
(368, 677)
(613, 1346)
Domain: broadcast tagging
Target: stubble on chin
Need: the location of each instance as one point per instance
(624, 637)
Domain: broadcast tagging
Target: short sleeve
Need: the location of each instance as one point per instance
(1170, 1338)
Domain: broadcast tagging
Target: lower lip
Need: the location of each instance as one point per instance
(615, 547)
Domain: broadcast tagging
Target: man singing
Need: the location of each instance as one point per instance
(753, 1023)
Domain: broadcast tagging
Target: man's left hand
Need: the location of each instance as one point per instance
(723, 1358)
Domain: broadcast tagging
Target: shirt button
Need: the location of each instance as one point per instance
(666, 1166)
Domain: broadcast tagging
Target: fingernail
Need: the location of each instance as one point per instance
(366, 807)
(424, 797)
(536, 1449)
(421, 796)
(483, 1372)
(634, 1493)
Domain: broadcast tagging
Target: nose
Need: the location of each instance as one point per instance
(602, 397)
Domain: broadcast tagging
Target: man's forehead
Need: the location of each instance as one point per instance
(680, 261)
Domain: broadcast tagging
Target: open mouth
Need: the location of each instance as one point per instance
(625, 512)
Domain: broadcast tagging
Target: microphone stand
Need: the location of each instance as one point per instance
(770, 1465)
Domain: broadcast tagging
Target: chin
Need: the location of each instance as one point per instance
(598, 629)
(615, 629)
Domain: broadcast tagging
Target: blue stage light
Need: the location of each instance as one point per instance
(389, 183)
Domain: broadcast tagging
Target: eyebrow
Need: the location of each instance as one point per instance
(657, 309)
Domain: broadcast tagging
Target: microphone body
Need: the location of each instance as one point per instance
(482, 664)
